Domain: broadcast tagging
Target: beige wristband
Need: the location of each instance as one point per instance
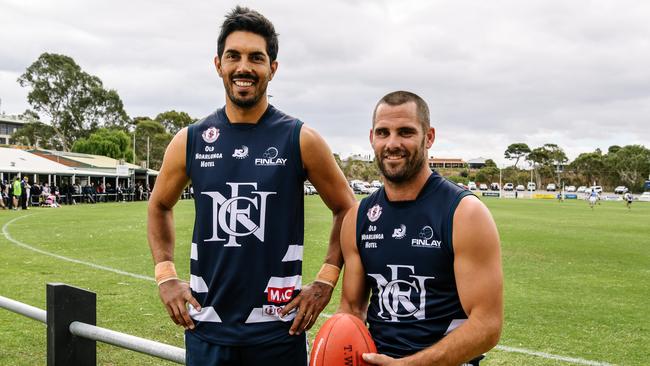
(328, 274)
(165, 271)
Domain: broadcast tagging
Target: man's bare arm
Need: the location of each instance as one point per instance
(354, 299)
(479, 278)
(160, 227)
(333, 188)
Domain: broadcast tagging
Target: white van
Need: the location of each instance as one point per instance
(531, 186)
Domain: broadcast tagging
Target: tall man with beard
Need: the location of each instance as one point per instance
(422, 257)
(245, 303)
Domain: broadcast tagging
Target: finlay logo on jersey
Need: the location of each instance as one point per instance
(242, 214)
(241, 153)
(210, 135)
(403, 296)
(279, 295)
(424, 241)
(270, 158)
(400, 232)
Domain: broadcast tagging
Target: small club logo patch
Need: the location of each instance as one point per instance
(374, 212)
(210, 135)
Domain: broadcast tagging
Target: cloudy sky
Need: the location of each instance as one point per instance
(574, 73)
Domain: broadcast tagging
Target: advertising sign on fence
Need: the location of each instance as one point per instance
(490, 194)
(544, 196)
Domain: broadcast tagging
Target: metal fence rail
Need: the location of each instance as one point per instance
(128, 341)
(23, 309)
(71, 329)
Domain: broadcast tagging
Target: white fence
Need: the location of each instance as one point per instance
(72, 333)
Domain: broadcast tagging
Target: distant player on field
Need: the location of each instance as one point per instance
(422, 255)
(247, 163)
(593, 198)
(628, 200)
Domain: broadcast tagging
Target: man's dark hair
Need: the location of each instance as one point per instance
(245, 19)
(400, 97)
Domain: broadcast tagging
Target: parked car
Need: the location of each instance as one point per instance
(551, 187)
(461, 185)
(582, 189)
(620, 190)
(508, 187)
(311, 188)
(376, 184)
(483, 187)
(520, 187)
(531, 186)
(495, 187)
(359, 188)
(645, 196)
(370, 188)
(471, 186)
(571, 188)
(597, 189)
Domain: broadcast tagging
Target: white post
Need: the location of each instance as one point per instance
(133, 146)
(500, 184)
(147, 152)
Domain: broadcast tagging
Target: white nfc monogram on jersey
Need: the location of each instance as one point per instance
(249, 211)
(403, 296)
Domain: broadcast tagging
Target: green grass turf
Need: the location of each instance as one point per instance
(577, 281)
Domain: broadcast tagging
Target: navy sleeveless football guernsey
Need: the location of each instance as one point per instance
(247, 245)
(408, 257)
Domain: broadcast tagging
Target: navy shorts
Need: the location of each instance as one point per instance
(290, 351)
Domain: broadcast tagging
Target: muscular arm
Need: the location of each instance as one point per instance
(168, 188)
(335, 192)
(160, 227)
(329, 181)
(354, 299)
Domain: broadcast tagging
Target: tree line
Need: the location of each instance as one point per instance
(86, 117)
(620, 165)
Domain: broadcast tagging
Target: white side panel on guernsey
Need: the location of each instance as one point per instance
(194, 252)
(285, 282)
(207, 314)
(198, 284)
(455, 323)
(294, 253)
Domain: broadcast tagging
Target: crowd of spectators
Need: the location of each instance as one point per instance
(20, 194)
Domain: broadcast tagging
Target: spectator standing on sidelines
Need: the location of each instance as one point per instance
(25, 193)
(247, 163)
(3, 195)
(17, 193)
(422, 255)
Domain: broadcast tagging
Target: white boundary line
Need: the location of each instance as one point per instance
(528, 352)
(77, 261)
(549, 356)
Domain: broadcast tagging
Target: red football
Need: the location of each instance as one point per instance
(341, 341)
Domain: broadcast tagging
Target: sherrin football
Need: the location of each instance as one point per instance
(341, 341)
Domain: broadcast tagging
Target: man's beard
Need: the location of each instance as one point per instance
(249, 101)
(414, 163)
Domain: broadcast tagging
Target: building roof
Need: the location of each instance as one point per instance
(479, 160)
(13, 119)
(446, 160)
(83, 160)
(21, 161)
